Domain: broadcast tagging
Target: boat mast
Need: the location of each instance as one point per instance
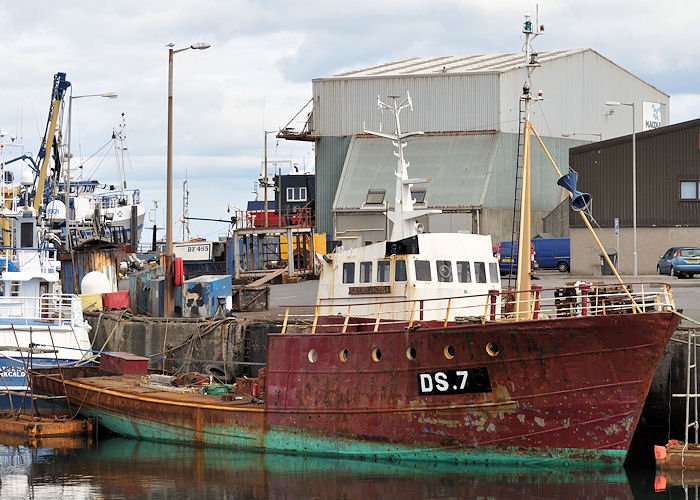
(185, 210)
(523, 283)
(119, 148)
(403, 217)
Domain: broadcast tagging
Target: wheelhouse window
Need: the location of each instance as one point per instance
(383, 271)
(480, 272)
(296, 193)
(349, 272)
(365, 272)
(493, 272)
(444, 269)
(423, 270)
(400, 270)
(689, 190)
(464, 271)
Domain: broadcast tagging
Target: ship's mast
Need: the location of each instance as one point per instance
(119, 148)
(403, 217)
(523, 283)
(185, 210)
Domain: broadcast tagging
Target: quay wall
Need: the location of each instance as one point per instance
(226, 348)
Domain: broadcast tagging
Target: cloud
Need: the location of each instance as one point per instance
(685, 107)
(258, 72)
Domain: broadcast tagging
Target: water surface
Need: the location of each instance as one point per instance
(124, 468)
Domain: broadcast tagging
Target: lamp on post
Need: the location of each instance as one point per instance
(168, 302)
(66, 187)
(634, 181)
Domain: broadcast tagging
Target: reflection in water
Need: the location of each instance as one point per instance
(124, 468)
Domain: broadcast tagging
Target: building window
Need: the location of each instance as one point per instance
(296, 194)
(349, 272)
(383, 271)
(689, 190)
(365, 272)
(375, 197)
(418, 195)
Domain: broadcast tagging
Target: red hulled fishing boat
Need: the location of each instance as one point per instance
(414, 353)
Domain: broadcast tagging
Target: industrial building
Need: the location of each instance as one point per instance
(667, 165)
(469, 109)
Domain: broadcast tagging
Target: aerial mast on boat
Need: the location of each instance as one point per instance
(404, 215)
(119, 148)
(523, 283)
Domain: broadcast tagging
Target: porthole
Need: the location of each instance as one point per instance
(493, 349)
(313, 356)
(449, 351)
(411, 353)
(376, 354)
(343, 355)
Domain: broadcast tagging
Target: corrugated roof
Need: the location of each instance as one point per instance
(458, 165)
(468, 170)
(484, 63)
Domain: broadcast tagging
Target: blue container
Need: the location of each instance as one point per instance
(202, 295)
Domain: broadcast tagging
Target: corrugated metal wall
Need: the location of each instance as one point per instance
(546, 194)
(330, 156)
(441, 103)
(106, 261)
(575, 89)
(664, 157)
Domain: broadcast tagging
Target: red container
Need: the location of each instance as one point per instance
(116, 300)
(123, 362)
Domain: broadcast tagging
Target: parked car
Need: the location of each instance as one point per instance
(553, 253)
(508, 261)
(680, 261)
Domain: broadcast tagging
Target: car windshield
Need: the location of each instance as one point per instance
(690, 252)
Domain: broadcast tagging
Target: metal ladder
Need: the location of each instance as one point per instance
(517, 197)
(691, 373)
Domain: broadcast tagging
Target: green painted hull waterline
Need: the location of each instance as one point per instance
(283, 441)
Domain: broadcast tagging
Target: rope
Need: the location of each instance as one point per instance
(687, 318)
(121, 316)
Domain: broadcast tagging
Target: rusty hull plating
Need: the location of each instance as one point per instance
(564, 389)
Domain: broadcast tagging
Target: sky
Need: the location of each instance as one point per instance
(257, 74)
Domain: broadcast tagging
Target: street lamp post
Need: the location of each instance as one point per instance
(66, 187)
(168, 302)
(634, 181)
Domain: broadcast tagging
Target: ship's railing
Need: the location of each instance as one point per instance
(582, 299)
(288, 217)
(57, 309)
(14, 259)
(117, 199)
